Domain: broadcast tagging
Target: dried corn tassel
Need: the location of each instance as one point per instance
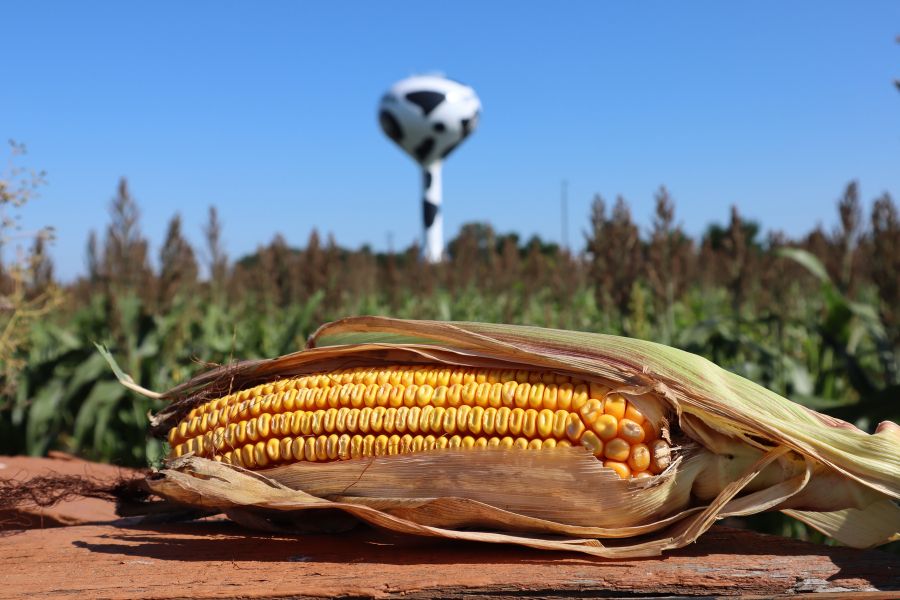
(430, 427)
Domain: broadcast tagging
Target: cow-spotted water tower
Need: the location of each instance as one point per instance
(428, 116)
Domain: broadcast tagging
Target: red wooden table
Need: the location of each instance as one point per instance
(214, 558)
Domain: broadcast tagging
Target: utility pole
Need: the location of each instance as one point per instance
(564, 205)
(897, 81)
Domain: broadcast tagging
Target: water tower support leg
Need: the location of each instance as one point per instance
(433, 248)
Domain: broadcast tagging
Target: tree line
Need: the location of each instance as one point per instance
(625, 269)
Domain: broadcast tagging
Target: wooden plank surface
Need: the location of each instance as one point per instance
(217, 559)
(75, 511)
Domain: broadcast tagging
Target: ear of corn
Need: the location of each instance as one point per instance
(366, 412)
(329, 426)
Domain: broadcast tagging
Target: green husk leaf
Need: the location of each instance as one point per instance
(124, 378)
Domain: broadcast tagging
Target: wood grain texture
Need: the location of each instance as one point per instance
(216, 559)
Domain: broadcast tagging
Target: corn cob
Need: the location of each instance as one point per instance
(364, 412)
(740, 448)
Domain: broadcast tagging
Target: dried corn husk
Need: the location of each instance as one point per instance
(743, 450)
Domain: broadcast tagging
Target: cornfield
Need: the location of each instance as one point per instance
(815, 319)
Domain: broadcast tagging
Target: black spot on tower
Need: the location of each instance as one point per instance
(427, 101)
(424, 149)
(429, 212)
(390, 126)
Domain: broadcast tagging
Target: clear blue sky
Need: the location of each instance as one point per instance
(267, 110)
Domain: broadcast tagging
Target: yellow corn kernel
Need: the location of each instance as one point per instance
(579, 397)
(424, 395)
(412, 420)
(639, 458)
(621, 469)
(523, 390)
(475, 420)
(356, 446)
(263, 425)
(593, 443)
(425, 416)
(630, 431)
(564, 396)
(591, 411)
(332, 448)
(462, 417)
(297, 448)
(309, 450)
(617, 449)
(260, 454)
(483, 394)
(285, 448)
(615, 405)
(606, 427)
(273, 449)
(633, 414)
(502, 421)
(574, 427)
(242, 436)
(344, 446)
(248, 456)
(321, 449)
(549, 402)
(544, 423)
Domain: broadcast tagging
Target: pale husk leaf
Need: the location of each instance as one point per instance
(855, 527)
(204, 483)
(574, 487)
